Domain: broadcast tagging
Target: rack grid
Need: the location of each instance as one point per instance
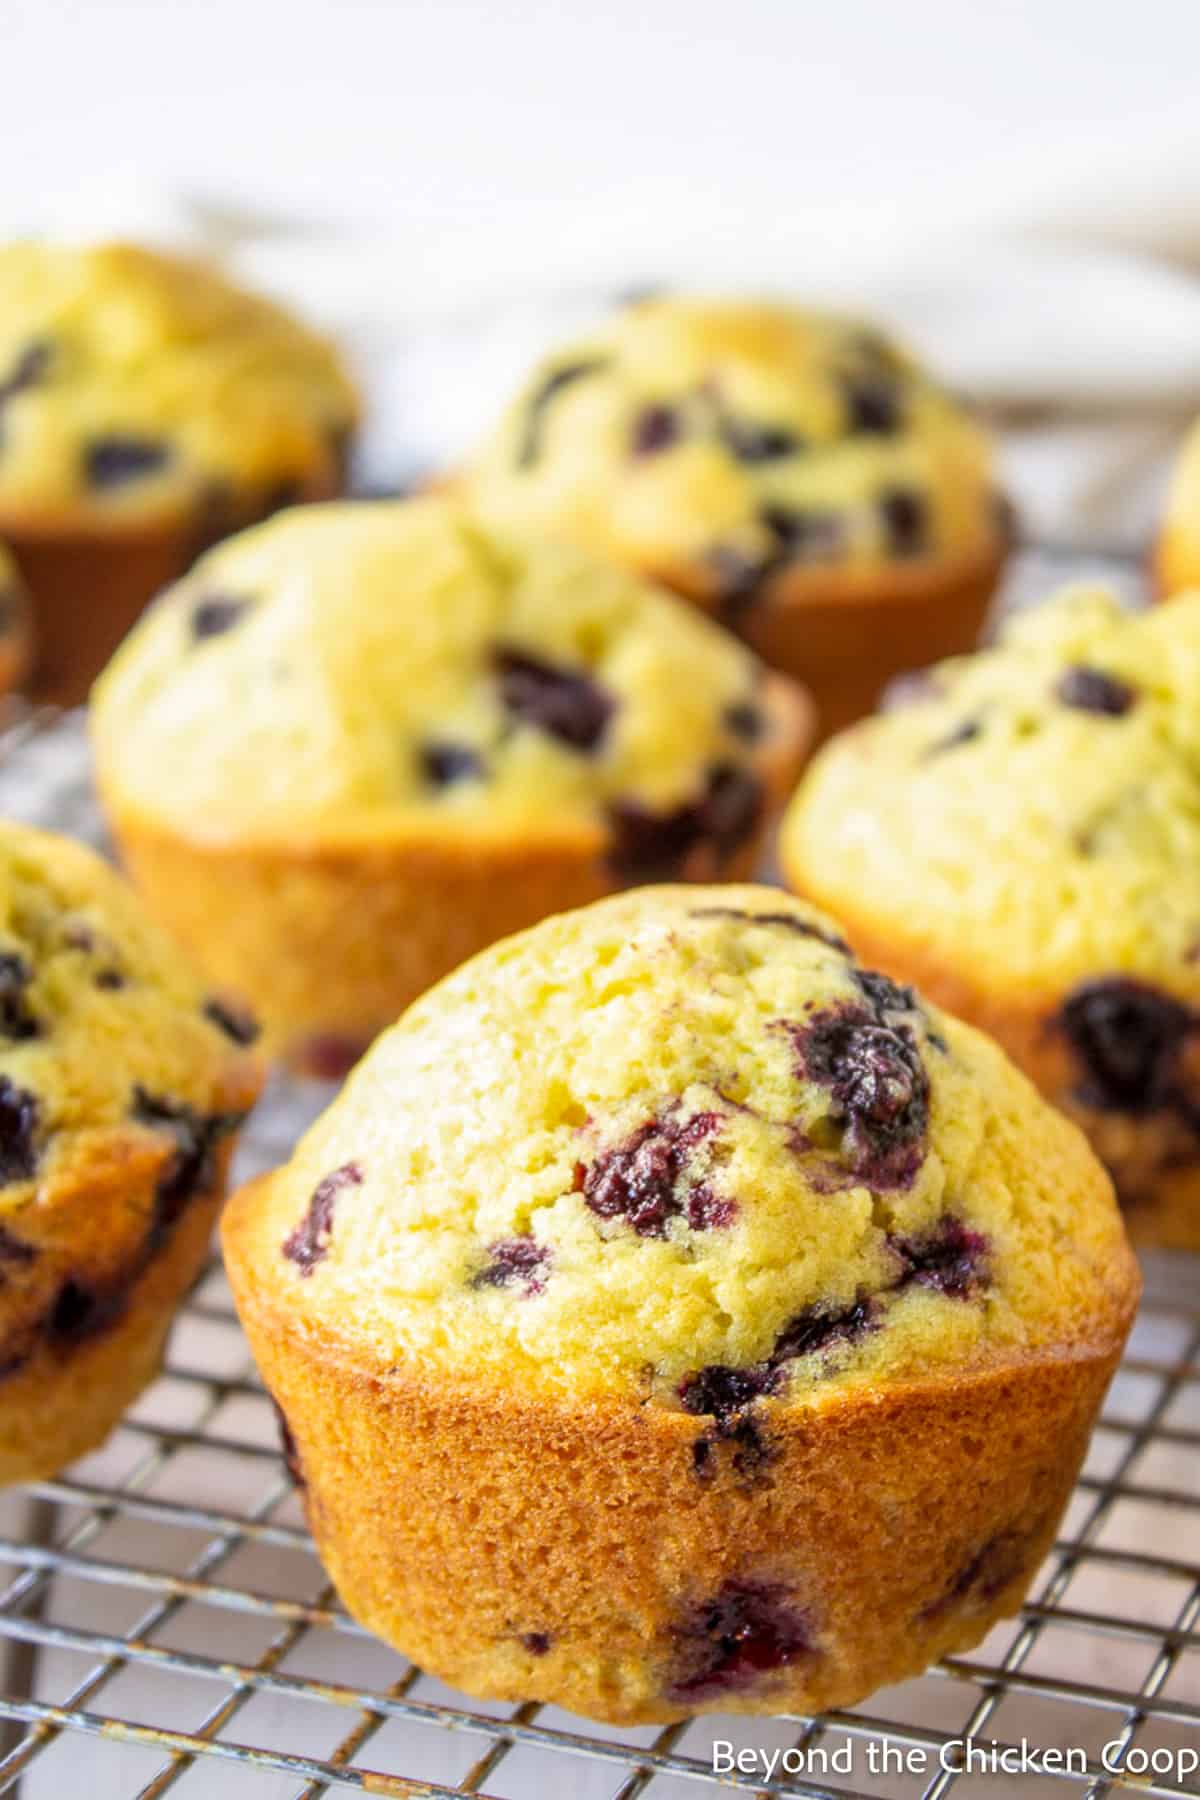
(165, 1627)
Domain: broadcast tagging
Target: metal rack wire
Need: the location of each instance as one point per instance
(168, 1629)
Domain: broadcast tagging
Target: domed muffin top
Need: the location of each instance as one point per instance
(718, 443)
(678, 1144)
(1035, 809)
(378, 664)
(106, 1036)
(138, 386)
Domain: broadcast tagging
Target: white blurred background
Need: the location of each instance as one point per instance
(1016, 186)
(564, 133)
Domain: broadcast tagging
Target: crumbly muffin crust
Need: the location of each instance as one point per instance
(660, 1196)
(122, 1084)
(1022, 839)
(139, 389)
(739, 1130)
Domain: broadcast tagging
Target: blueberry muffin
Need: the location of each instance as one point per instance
(1023, 840)
(673, 1315)
(147, 407)
(122, 1084)
(15, 633)
(795, 473)
(1176, 562)
(361, 742)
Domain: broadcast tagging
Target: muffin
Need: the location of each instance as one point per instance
(147, 407)
(674, 1315)
(1023, 840)
(794, 473)
(15, 634)
(122, 1084)
(361, 742)
(1176, 562)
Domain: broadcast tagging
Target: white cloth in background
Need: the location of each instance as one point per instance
(1066, 299)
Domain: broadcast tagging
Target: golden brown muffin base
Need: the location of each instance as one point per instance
(329, 943)
(1160, 1202)
(88, 588)
(846, 631)
(90, 583)
(466, 1526)
(64, 1397)
(16, 655)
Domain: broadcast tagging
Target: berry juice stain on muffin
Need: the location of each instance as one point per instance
(986, 1572)
(518, 1262)
(728, 1643)
(1129, 1039)
(950, 1259)
(868, 1058)
(288, 1448)
(643, 1181)
(308, 1244)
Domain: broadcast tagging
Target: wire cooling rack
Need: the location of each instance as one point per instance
(167, 1629)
